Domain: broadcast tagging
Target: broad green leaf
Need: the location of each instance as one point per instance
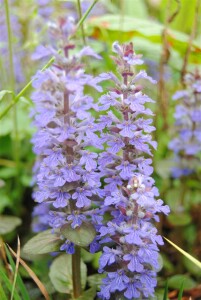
(139, 9)
(192, 268)
(111, 25)
(61, 274)
(44, 242)
(89, 294)
(95, 279)
(190, 257)
(5, 92)
(180, 219)
(176, 281)
(7, 172)
(8, 223)
(81, 236)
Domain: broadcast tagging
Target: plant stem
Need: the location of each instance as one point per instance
(76, 257)
(12, 76)
(165, 56)
(82, 26)
(190, 42)
(21, 93)
(16, 143)
(76, 271)
(81, 21)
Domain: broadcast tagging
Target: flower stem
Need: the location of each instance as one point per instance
(81, 21)
(76, 257)
(21, 93)
(80, 16)
(16, 143)
(76, 272)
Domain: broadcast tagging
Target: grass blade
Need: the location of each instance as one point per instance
(190, 257)
(2, 294)
(20, 284)
(16, 268)
(181, 291)
(32, 275)
(8, 284)
(165, 296)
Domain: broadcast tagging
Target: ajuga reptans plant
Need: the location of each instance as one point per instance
(187, 144)
(66, 172)
(130, 240)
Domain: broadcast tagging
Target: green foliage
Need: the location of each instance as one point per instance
(8, 284)
(3, 93)
(44, 242)
(8, 223)
(177, 280)
(88, 294)
(81, 236)
(130, 27)
(180, 218)
(19, 281)
(61, 274)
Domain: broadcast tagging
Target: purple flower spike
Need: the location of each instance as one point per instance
(66, 174)
(131, 263)
(187, 143)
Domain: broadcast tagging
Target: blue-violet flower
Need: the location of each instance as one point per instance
(131, 261)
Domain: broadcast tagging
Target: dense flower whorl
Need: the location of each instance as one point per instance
(187, 144)
(131, 262)
(66, 175)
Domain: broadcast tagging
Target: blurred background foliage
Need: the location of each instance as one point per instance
(166, 32)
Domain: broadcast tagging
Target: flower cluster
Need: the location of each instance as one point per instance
(187, 144)
(131, 261)
(66, 174)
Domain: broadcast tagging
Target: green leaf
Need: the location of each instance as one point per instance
(4, 92)
(190, 257)
(112, 26)
(175, 281)
(139, 9)
(26, 100)
(192, 268)
(61, 274)
(5, 201)
(44, 242)
(6, 173)
(180, 219)
(95, 280)
(89, 294)
(81, 236)
(8, 223)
